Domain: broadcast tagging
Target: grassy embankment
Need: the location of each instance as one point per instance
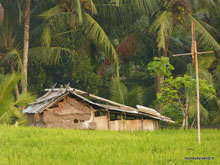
(58, 146)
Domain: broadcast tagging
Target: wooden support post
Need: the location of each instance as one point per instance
(142, 123)
(122, 119)
(108, 118)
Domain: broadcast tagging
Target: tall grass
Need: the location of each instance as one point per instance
(58, 146)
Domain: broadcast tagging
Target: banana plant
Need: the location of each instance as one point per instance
(9, 106)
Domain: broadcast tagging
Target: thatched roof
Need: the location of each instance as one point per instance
(55, 95)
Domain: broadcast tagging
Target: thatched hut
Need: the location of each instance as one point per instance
(69, 108)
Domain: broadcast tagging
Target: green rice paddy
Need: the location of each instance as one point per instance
(23, 145)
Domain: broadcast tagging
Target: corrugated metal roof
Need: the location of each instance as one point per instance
(122, 109)
(45, 101)
(52, 97)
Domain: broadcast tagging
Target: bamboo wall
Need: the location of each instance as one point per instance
(102, 123)
(73, 114)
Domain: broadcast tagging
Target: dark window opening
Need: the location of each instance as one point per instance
(62, 100)
(131, 117)
(100, 113)
(115, 116)
(145, 117)
(76, 121)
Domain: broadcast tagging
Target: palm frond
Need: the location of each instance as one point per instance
(118, 91)
(46, 36)
(216, 119)
(95, 33)
(134, 97)
(205, 75)
(49, 55)
(13, 57)
(56, 18)
(205, 38)
(123, 15)
(206, 61)
(93, 8)
(8, 105)
(145, 5)
(12, 111)
(162, 26)
(208, 5)
(6, 88)
(51, 12)
(193, 110)
(21, 13)
(24, 99)
(79, 11)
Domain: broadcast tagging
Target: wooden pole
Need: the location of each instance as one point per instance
(108, 117)
(142, 123)
(194, 54)
(185, 54)
(195, 59)
(197, 93)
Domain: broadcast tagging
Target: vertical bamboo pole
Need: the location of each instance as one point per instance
(195, 60)
(197, 93)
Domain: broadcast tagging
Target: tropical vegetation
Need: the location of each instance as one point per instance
(107, 48)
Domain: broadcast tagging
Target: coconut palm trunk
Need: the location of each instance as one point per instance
(26, 45)
(1, 14)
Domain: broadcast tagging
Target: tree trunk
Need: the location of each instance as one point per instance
(16, 86)
(184, 121)
(183, 112)
(157, 53)
(1, 14)
(187, 111)
(192, 125)
(165, 51)
(187, 124)
(26, 44)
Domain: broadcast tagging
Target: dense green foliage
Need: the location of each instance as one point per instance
(179, 93)
(59, 146)
(91, 44)
(9, 106)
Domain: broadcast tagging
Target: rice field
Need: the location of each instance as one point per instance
(23, 145)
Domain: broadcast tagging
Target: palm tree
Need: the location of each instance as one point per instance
(167, 17)
(26, 45)
(72, 18)
(10, 45)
